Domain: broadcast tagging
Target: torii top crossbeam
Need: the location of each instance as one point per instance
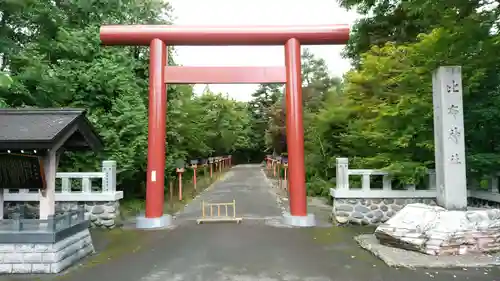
(220, 35)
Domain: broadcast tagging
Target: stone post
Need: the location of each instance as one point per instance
(2, 202)
(47, 195)
(449, 140)
(109, 180)
(342, 177)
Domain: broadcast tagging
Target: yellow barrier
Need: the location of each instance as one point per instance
(218, 218)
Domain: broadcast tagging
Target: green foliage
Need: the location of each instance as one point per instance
(53, 53)
(5, 82)
(380, 115)
(319, 89)
(388, 100)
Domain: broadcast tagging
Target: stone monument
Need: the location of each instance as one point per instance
(449, 141)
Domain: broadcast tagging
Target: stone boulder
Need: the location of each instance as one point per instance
(436, 231)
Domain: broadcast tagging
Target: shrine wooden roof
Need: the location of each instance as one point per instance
(31, 128)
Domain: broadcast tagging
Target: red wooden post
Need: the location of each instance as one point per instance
(194, 176)
(205, 171)
(279, 174)
(180, 186)
(179, 174)
(171, 192)
(295, 129)
(155, 184)
(286, 182)
(211, 170)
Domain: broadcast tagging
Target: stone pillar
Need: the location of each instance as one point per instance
(109, 180)
(47, 195)
(342, 178)
(449, 138)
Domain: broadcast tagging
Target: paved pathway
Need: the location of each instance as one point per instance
(244, 183)
(252, 250)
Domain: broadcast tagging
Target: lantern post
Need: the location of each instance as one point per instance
(211, 162)
(284, 162)
(179, 170)
(204, 165)
(194, 165)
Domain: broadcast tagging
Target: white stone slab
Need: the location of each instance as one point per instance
(436, 231)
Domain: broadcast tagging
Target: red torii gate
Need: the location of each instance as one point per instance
(157, 36)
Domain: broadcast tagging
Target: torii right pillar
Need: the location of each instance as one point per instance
(298, 215)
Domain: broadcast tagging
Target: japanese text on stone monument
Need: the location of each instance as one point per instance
(454, 132)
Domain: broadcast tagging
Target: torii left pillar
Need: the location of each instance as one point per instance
(155, 183)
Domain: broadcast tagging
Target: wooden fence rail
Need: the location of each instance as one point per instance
(218, 218)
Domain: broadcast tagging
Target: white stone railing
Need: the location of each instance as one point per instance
(491, 194)
(344, 190)
(67, 192)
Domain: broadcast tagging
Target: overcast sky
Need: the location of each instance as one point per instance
(256, 12)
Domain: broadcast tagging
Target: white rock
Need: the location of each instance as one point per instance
(436, 231)
(341, 220)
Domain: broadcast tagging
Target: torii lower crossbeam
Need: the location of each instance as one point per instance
(291, 37)
(224, 74)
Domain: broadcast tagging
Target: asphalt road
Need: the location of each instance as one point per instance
(252, 250)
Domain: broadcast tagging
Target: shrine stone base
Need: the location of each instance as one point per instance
(102, 214)
(28, 258)
(433, 230)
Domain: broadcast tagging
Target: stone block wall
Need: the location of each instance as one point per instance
(104, 214)
(371, 211)
(29, 258)
(480, 203)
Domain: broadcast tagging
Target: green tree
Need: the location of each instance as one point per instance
(5, 82)
(388, 99)
(53, 53)
(401, 22)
